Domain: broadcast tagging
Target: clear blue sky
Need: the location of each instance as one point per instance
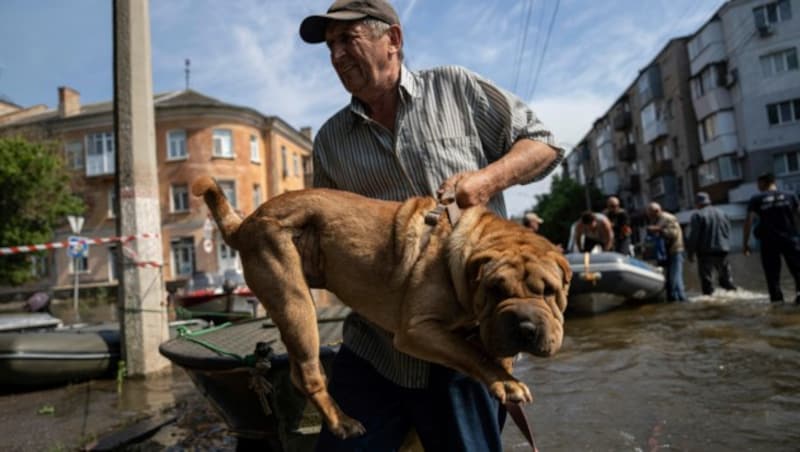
(248, 52)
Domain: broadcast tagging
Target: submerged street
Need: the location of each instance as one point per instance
(715, 374)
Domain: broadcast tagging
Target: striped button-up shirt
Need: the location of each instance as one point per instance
(449, 120)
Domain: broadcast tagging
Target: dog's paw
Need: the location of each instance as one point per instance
(347, 428)
(511, 391)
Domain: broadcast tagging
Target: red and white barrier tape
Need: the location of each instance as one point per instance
(131, 254)
(55, 245)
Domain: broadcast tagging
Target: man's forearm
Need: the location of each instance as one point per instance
(524, 161)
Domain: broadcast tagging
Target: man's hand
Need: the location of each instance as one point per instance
(746, 249)
(470, 188)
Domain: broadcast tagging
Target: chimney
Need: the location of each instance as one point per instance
(69, 102)
(306, 132)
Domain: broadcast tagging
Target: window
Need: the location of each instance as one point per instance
(40, 265)
(80, 263)
(223, 143)
(786, 163)
(229, 188)
(783, 112)
(729, 168)
(713, 76)
(176, 145)
(113, 264)
(256, 196)
(707, 129)
(100, 154)
(284, 162)
(657, 186)
(296, 164)
(74, 154)
(112, 202)
(772, 13)
(255, 154)
(778, 62)
(180, 198)
(663, 152)
(183, 256)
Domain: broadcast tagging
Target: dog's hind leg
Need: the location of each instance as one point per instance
(273, 271)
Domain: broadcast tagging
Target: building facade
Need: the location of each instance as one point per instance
(252, 156)
(711, 112)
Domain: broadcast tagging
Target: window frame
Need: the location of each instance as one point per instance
(182, 245)
(255, 149)
(183, 153)
(106, 156)
(175, 190)
(221, 134)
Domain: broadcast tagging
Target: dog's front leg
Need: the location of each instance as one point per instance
(428, 339)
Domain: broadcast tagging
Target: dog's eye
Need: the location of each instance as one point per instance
(497, 292)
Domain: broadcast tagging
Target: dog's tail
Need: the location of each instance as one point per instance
(227, 219)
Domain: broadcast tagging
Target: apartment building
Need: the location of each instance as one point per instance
(251, 155)
(710, 113)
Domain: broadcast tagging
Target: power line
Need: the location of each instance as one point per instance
(524, 42)
(544, 50)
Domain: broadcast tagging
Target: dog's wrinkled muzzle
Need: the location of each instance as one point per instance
(522, 325)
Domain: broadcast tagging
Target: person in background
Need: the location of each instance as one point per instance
(776, 212)
(532, 221)
(414, 133)
(709, 240)
(594, 230)
(665, 226)
(620, 224)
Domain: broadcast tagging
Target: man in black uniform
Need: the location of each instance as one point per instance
(777, 231)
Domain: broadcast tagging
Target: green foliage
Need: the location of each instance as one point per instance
(563, 206)
(34, 199)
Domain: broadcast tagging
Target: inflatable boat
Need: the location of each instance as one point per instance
(606, 280)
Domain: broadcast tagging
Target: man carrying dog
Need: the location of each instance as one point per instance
(410, 133)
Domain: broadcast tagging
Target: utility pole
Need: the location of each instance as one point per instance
(141, 299)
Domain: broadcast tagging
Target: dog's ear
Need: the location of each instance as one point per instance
(474, 270)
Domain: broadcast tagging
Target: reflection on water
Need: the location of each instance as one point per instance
(716, 373)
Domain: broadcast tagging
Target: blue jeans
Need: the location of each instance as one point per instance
(454, 413)
(673, 277)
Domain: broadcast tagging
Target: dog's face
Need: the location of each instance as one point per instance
(520, 296)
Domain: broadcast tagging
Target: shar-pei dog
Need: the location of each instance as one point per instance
(431, 286)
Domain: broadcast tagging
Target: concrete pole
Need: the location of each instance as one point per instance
(142, 298)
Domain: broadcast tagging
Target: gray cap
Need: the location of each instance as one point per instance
(312, 29)
(702, 198)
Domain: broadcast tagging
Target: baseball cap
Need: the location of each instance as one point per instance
(312, 29)
(702, 198)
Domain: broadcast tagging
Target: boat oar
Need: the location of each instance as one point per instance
(586, 275)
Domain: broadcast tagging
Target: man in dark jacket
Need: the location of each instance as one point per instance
(709, 237)
(777, 231)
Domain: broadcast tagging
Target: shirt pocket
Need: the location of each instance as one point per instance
(447, 156)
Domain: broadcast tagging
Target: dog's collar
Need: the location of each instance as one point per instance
(453, 214)
(447, 203)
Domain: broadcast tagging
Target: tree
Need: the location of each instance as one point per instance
(35, 197)
(563, 206)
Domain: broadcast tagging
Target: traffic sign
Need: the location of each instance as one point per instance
(208, 245)
(75, 223)
(77, 247)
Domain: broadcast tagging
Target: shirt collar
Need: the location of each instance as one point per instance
(409, 89)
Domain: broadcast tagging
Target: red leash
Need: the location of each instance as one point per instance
(516, 412)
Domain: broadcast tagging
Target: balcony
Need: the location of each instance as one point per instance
(654, 130)
(713, 101)
(627, 152)
(661, 167)
(622, 121)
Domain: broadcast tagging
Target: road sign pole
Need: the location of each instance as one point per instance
(75, 290)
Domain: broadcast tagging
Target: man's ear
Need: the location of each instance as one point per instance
(395, 38)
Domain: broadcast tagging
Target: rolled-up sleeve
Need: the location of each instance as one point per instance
(503, 119)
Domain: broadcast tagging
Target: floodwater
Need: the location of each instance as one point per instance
(718, 373)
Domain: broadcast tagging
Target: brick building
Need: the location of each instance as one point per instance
(253, 156)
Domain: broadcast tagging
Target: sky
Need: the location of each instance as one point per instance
(568, 59)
